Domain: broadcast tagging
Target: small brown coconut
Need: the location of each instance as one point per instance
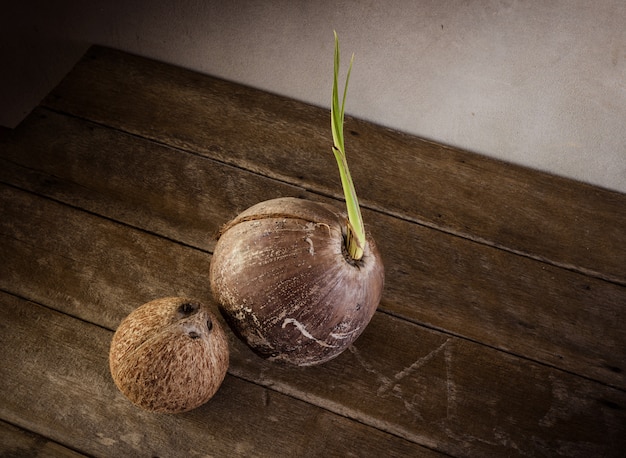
(169, 355)
(286, 284)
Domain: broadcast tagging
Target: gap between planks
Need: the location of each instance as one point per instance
(471, 374)
(81, 145)
(367, 204)
(235, 124)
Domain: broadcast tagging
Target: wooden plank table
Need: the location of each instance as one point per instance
(501, 331)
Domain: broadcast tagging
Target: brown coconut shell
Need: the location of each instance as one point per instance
(286, 284)
(169, 355)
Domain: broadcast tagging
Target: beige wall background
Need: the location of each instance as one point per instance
(538, 83)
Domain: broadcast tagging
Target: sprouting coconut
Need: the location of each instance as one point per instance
(298, 281)
(170, 355)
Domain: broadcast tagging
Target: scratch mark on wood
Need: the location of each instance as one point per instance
(563, 405)
(265, 398)
(450, 385)
(367, 366)
(391, 384)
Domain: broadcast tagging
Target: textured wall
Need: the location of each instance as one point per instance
(539, 83)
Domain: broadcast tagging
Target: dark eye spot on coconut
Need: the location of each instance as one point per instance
(209, 325)
(194, 335)
(188, 308)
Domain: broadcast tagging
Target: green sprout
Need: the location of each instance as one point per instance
(355, 239)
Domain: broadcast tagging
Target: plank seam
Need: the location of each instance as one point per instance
(364, 204)
(49, 439)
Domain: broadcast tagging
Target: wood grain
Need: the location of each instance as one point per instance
(420, 384)
(500, 332)
(60, 371)
(503, 300)
(566, 223)
(18, 443)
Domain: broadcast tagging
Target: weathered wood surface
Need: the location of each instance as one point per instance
(491, 296)
(19, 443)
(562, 222)
(60, 371)
(421, 384)
(479, 348)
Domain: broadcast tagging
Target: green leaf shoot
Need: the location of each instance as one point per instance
(355, 239)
